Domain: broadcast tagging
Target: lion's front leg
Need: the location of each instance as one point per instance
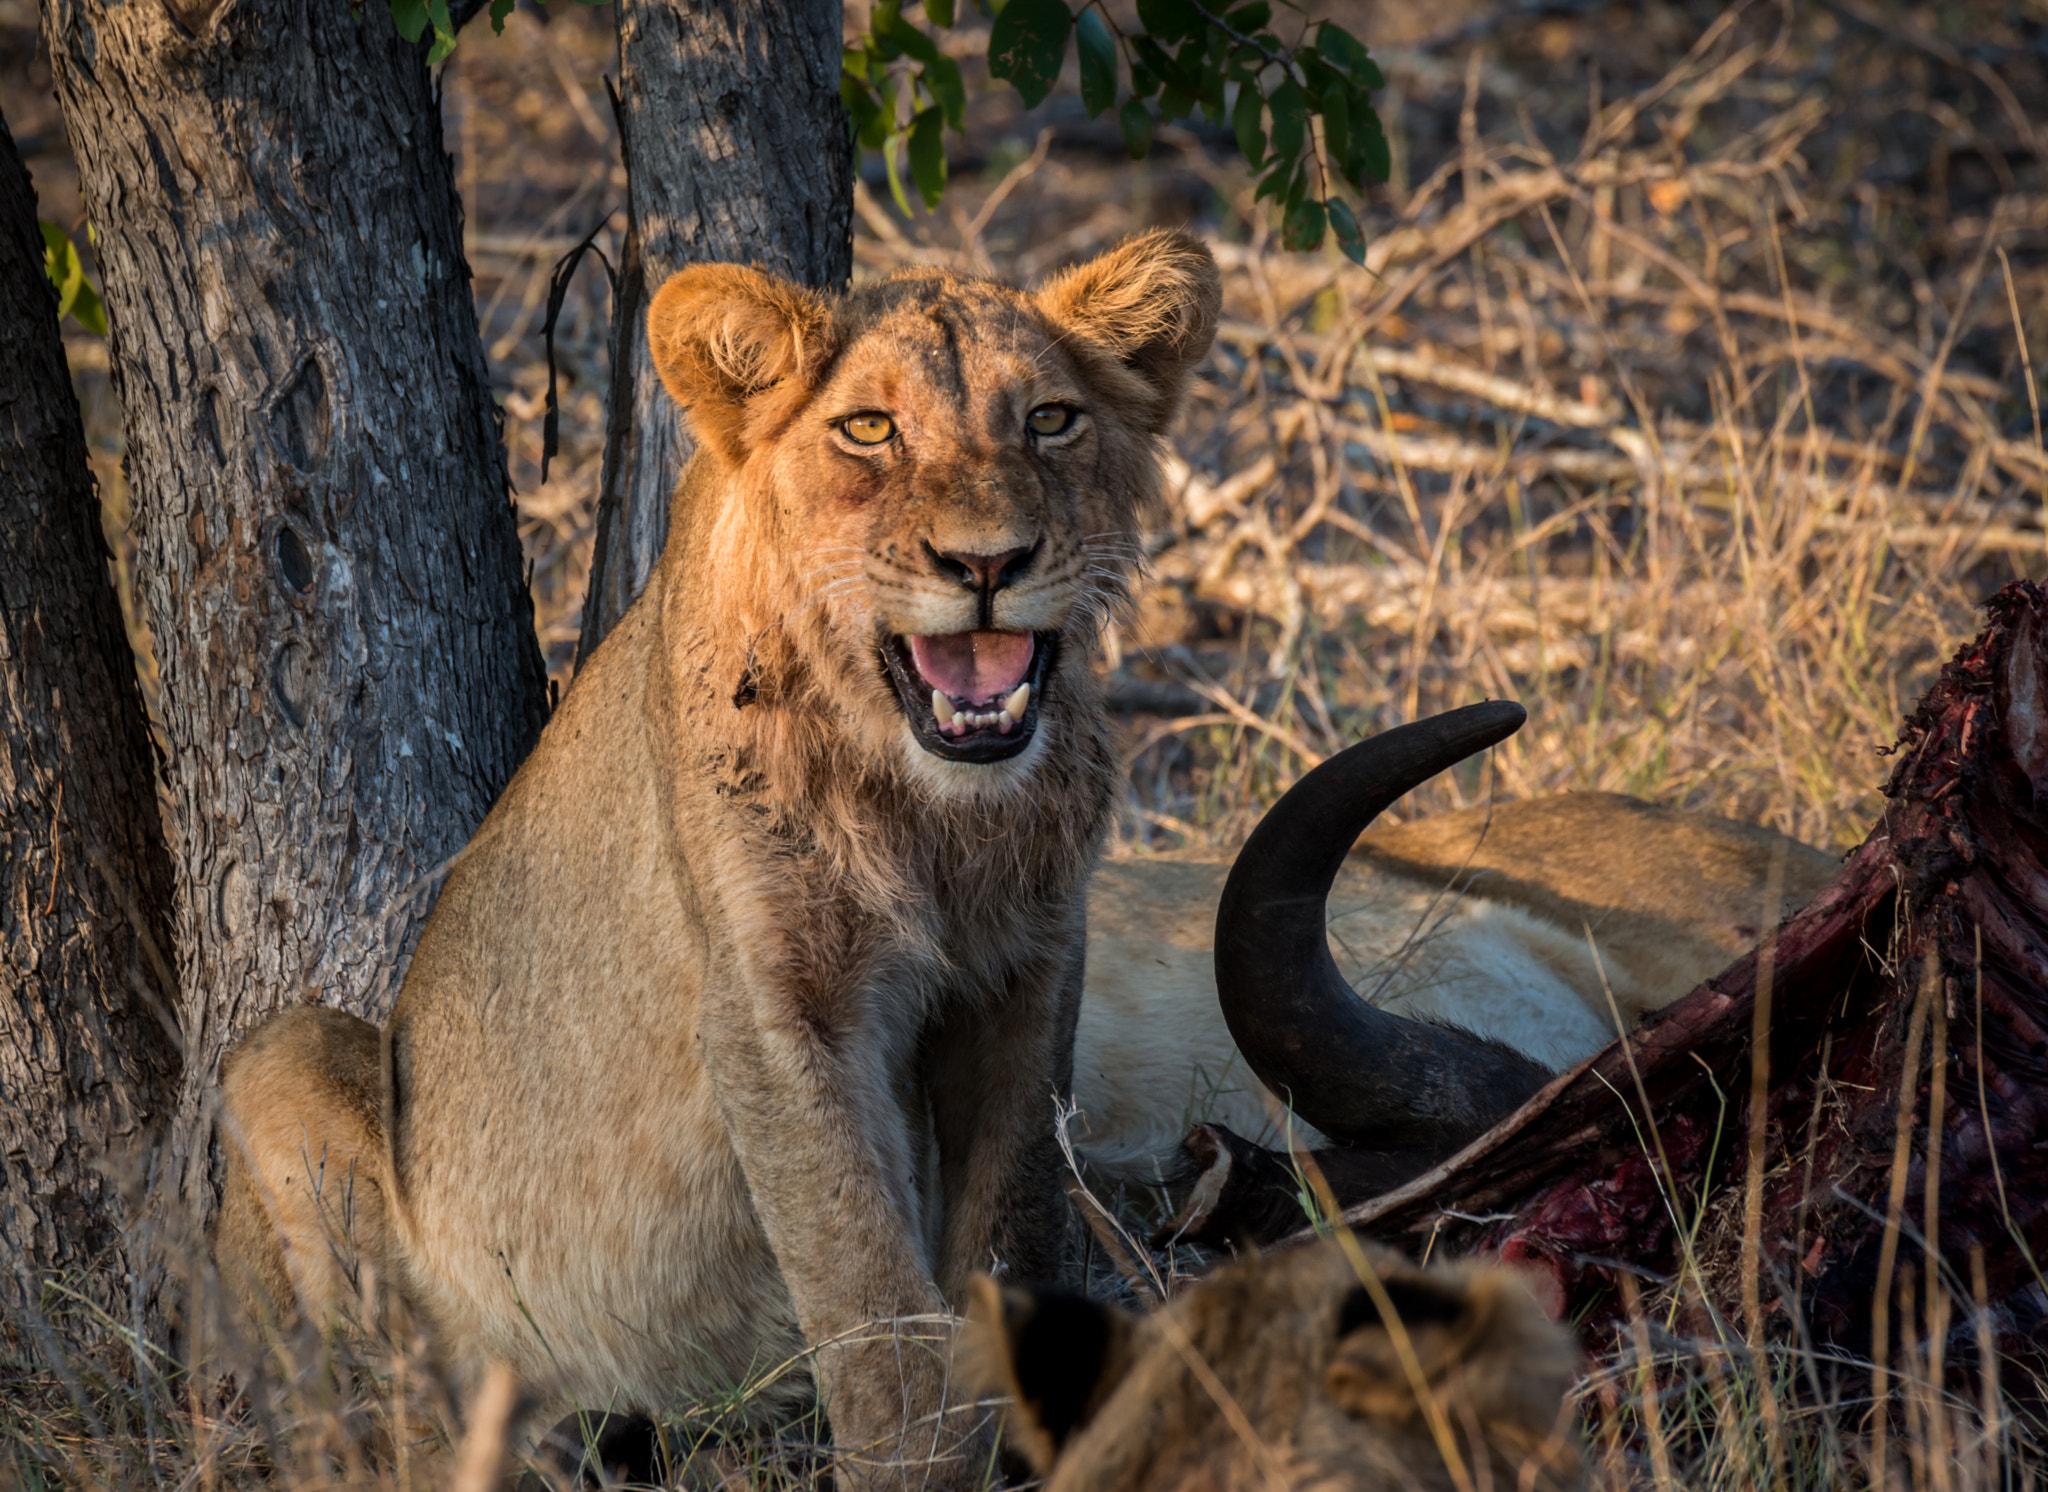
(995, 1072)
(804, 1077)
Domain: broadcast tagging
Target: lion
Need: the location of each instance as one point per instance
(1286, 1372)
(1409, 988)
(729, 1052)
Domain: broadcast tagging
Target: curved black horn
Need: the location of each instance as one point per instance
(1356, 1073)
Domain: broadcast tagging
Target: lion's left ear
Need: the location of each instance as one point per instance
(732, 346)
(1056, 1357)
(1152, 303)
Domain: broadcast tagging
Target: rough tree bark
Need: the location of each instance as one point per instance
(326, 549)
(1915, 985)
(87, 1070)
(736, 149)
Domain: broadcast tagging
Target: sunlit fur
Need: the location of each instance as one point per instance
(1546, 925)
(739, 1025)
(1283, 1375)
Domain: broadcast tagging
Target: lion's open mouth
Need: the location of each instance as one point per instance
(971, 696)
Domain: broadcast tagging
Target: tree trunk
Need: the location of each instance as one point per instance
(736, 149)
(326, 549)
(1905, 1093)
(87, 1068)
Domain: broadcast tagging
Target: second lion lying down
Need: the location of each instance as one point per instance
(1288, 1374)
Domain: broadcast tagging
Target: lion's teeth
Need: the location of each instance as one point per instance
(1005, 720)
(942, 707)
(1014, 706)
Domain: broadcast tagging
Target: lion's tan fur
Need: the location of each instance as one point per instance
(739, 1025)
(1282, 1373)
(1545, 925)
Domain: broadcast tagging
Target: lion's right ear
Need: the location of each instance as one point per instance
(1151, 303)
(1057, 1357)
(736, 348)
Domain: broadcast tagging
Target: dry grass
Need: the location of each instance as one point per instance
(1689, 396)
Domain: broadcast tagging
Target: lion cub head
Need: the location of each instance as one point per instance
(1286, 1373)
(916, 503)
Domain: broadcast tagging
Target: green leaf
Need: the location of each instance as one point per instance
(1372, 148)
(853, 63)
(501, 10)
(928, 156)
(1173, 103)
(86, 309)
(1302, 228)
(1337, 124)
(75, 296)
(1159, 62)
(444, 31)
(878, 126)
(1170, 20)
(1290, 119)
(1026, 45)
(942, 82)
(909, 41)
(1347, 54)
(410, 17)
(1317, 76)
(939, 12)
(861, 109)
(1097, 51)
(1193, 62)
(890, 150)
(61, 264)
(1337, 44)
(1144, 82)
(1212, 94)
(1251, 17)
(1349, 238)
(1278, 179)
(1245, 119)
(1138, 127)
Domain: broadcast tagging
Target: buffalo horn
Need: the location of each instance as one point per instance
(1361, 1076)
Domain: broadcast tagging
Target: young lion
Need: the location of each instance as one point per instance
(1286, 1375)
(738, 1027)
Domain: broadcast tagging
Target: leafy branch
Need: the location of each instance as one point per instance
(1302, 114)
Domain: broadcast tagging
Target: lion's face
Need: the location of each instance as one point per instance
(945, 474)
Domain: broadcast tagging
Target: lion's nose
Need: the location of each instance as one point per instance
(984, 572)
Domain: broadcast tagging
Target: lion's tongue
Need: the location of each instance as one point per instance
(973, 666)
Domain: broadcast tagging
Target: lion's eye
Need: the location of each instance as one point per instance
(868, 429)
(1050, 419)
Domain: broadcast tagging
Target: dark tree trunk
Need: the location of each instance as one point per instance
(326, 550)
(87, 1069)
(736, 149)
(1907, 1012)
